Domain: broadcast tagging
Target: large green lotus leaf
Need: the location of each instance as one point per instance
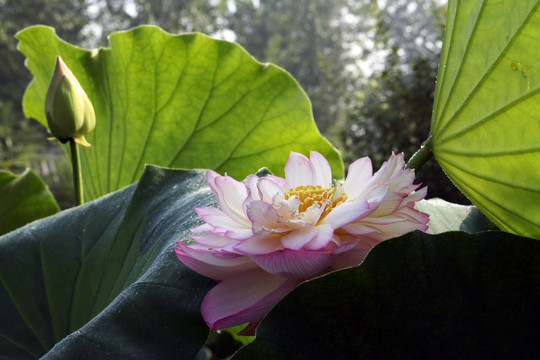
(185, 101)
(485, 125)
(102, 280)
(23, 198)
(419, 296)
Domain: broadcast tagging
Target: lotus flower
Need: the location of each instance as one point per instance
(271, 233)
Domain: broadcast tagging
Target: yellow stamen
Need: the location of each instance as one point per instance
(310, 195)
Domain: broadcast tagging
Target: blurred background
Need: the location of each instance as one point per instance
(368, 66)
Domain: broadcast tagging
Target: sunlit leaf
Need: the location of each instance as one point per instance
(102, 280)
(445, 216)
(185, 101)
(23, 198)
(485, 124)
(419, 296)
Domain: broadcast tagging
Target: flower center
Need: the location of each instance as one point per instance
(310, 195)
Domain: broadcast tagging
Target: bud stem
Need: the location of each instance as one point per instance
(77, 172)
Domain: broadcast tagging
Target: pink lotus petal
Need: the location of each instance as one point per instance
(349, 258)
(323, 173)
(358, 176)
(219, 219)
(281, 182)
(376, 194)
(402, 182)
(202, 228)
(259, 245)
(211, 240)
(415, 216)
(298, 238)
(397, 229)
(251, 182)
(418, 195)
(249, 330)
(385, 220)
(244, 298)
(299, 171)
(324, 236)
(346, 213)
(231, 195)
(312, 214)
(262, 215)
(211, 176)
(360, 229)
(390, 203)
(209, 265)
(389, 169)
(269, 189)
(238, 234)
(294, 264)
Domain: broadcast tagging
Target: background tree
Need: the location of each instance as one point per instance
(174, 16)
(312, 40)
(393, 113)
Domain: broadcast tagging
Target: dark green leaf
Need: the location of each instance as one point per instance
(23, 198)
(106, 273)
(419, 296)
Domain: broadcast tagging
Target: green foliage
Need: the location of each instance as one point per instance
(23, 198)
(106, 273)
(102, 280)
(180, 101)
(485, 122)
(419, 296)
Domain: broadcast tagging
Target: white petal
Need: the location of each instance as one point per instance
(262, 215)
(231, 195)
(360, 229)
(389, 169)
(324, 236)
(219, 219)
(205, 262)
(323, 173)
(346, 213)
(359, 174)
(299, 171)
(251, 182)
(269, 189)
(259, 245)
(298, 238)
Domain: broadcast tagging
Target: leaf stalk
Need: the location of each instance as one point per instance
(421, 156)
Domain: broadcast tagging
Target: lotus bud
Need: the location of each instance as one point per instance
(69, 112)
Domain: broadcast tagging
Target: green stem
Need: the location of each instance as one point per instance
(421, 156)
(77, 172)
